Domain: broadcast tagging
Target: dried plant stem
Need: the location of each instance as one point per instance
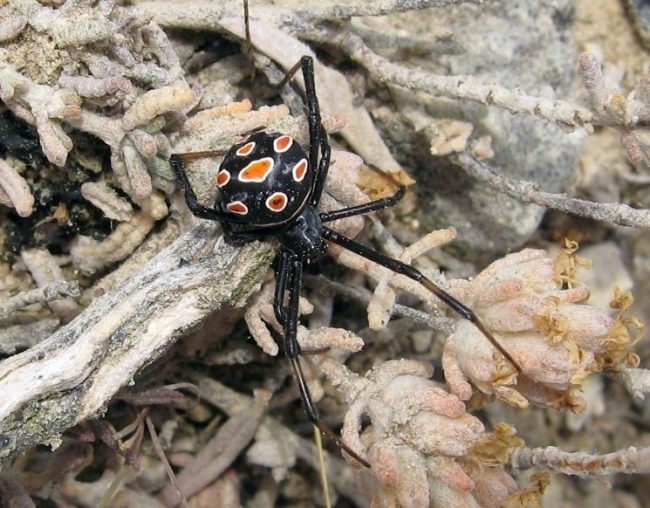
(19, 337)
(54, 291)
(323, 468)
(217, 455)
(205, 14)
(563, 113)
(630, 461)
(155, 440)
(75, 373)
(45, 270)
(338, 10)
(115, 484)
(612, 213)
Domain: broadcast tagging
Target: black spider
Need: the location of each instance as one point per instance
(270, 188)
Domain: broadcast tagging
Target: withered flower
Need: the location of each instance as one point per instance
(535, 307)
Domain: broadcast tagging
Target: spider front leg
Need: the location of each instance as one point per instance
(372, 206)
(323, 168)
(413, 273)
(179, 162)
(318, 139)
(289, 274)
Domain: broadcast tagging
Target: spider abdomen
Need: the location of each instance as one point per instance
(266, 179)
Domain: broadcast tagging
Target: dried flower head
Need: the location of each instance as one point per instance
(420, 441)
(535, 307)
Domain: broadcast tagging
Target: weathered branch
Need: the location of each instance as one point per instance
(206, 15)
(53, 291)
(612, 213)
(305, 24)
(72, 376)
(565, 114)
(630, 461)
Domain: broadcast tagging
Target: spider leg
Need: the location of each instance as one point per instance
(372, 206)
(281, 279)
(323, 168)
(249, 42)
(413, 273)
(179, 162)
(293, 279)
(294, 283)
(317, 136)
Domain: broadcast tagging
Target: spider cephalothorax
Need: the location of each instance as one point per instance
(271, 188)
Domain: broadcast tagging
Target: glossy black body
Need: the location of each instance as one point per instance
(304, 235)
(254, 194)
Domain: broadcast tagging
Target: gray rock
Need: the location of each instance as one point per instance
(522, 44)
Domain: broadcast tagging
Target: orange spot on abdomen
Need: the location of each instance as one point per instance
(299, 170)
(282, 143)
(223, 178)
(256, 171)
(277, 201)
(237, 207)
(246, 149)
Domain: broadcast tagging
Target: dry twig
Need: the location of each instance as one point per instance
(565, 114)
(217, 455)
(630, 461)
(53, 291)
(612, 213)
(343, 477)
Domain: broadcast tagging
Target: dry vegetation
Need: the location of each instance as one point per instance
(137, 345)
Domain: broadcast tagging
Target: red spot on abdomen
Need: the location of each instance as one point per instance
(237, 207)
(277, 201)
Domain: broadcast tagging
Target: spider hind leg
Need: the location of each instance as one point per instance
(289, 277)
(413, 273)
